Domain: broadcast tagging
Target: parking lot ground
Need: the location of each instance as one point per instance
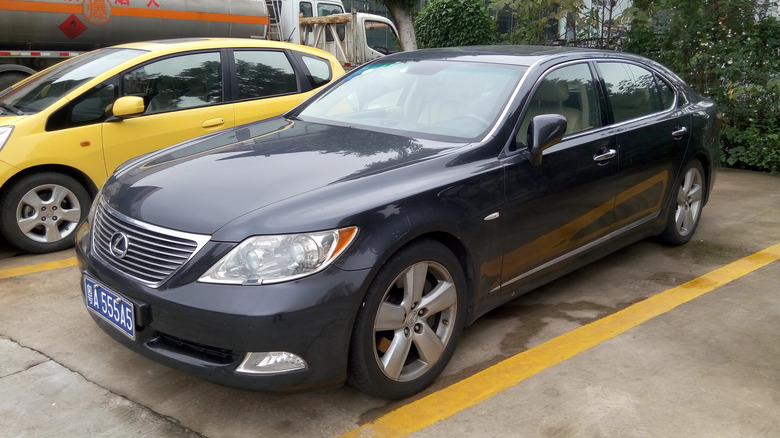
(708, 367)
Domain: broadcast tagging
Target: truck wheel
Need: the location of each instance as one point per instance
(40, 212)
(9, 78)
(410, 322)
(686, 205)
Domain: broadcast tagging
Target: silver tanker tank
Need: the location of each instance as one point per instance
(79, 25)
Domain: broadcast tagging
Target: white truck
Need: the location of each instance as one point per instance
(35, 34)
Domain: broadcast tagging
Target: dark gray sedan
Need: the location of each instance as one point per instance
(354, 238)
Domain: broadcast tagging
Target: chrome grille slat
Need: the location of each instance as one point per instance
(155, 236)
(152, 260)
(149, 246)
(153, 253)
(140, 263)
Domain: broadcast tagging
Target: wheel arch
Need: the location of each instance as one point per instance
(709, 172)
(454, 245)
(76, 174)
(11, 73)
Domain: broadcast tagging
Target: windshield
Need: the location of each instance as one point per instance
(438, 98)
(48, 87)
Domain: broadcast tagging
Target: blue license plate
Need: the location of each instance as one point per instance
(110, 306)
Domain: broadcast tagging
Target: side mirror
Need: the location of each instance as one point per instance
(544, 131)
(128, 106)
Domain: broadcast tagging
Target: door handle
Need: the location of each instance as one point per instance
(210, 123)
(678, 133)
(604, 155)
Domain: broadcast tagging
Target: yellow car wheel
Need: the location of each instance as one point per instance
(40, 213)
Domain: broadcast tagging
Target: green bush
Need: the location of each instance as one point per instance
(449, 23)
(728, 50)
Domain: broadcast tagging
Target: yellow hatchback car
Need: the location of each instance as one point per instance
(63, 131)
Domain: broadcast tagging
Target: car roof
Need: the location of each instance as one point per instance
(184, 44)
(513, 54)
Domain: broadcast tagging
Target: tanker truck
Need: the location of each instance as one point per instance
(35, 34)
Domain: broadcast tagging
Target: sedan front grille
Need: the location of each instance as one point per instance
(141, 251)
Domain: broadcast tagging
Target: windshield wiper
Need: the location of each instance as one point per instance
(13, 109)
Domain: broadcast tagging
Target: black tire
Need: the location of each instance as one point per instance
(401, 350)
(686, 205)
(9, 78)
(41, 212)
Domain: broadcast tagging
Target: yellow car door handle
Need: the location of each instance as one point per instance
(210, 123)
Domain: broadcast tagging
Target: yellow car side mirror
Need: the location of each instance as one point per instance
(128, 106)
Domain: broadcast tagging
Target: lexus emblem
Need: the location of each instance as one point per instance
(118, 245)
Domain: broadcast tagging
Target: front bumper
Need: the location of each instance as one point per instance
(206, 330)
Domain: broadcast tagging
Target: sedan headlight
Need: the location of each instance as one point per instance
(5, 132)
(274, 259)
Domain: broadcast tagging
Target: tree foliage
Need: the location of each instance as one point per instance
(728, 50)
(596, 23)
(448, 23)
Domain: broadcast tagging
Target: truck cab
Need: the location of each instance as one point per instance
(354, 38)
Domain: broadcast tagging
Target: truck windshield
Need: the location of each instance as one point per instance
(52, 84)
(421, 98)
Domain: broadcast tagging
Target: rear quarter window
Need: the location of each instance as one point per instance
(319, 70)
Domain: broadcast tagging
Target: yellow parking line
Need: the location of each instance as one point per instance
(481, 386)
(40, 267)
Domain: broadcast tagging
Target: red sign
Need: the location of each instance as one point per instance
(97, 11)
(72, 27)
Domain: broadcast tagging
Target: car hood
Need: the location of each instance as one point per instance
(201, 185)
(10, 119)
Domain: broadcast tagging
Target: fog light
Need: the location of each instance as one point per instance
(271, 362)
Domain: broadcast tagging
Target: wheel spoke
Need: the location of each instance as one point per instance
(682, 196)
(58, 194)
(443, 296)
(32, 200)
(679, 217)
(395, 356)
(389, 317)
(429, 346)
(72, 215)
(688, 181)
(689, 220)
(413, 284)
(28, 224)
(52, 231)
(685, 220)
(695, 194)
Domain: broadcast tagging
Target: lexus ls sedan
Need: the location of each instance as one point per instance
(353, 238)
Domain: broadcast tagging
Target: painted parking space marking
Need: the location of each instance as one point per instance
(40, 267)
(447, 402)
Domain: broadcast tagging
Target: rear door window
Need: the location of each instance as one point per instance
(634, 91)
(263, 73)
